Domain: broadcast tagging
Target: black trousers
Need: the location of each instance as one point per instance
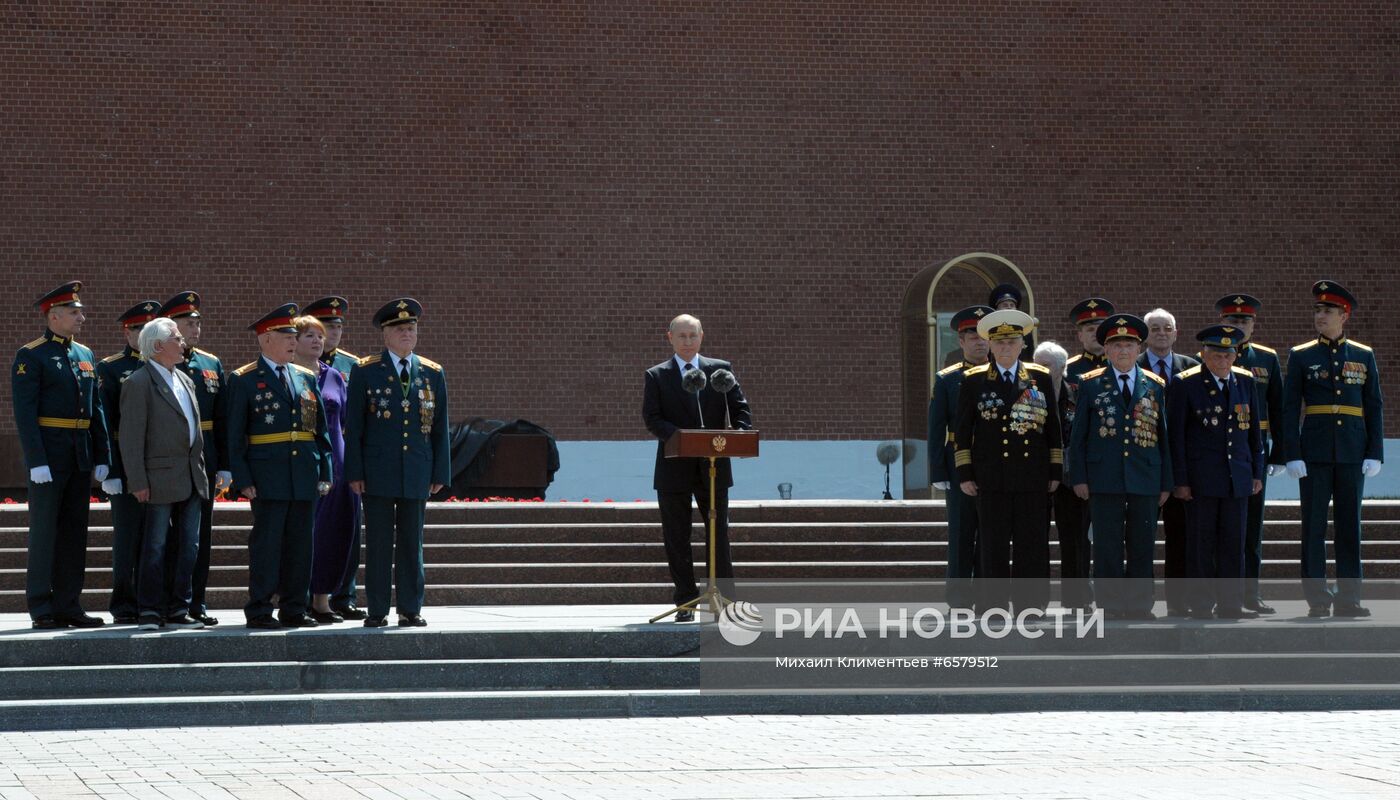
(1215, 552)
(676, 529)
(394, 553)
(1174, 568)
(128, 526)
(1254, 546)
(962, 548)
(1013, 550)
(58, 530)
(279, 557)
(346, 595)
(1072, 529)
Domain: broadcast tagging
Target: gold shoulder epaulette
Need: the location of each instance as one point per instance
(1034, 367)
(1154, 376)
(977, 370)
(1093, 373)
(347, 354)
(367, 360)
(1304, 345)
(246, 368)
(206, 353)
(430, 364)
(1240, 371)
(1263, 347)
(1185, 373)
(951, 369)
(302, 369)
(1073, 359)
(113, 357)
(36, 343)
(1365, 347)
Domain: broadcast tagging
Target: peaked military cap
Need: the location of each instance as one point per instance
(184, 304)
(969, 317)
(1090, 309)
(1004, 291)
(1121, 326)
(1225, 337)
(397, 312)
(65, 295)
(1238, 305)
(1005, 324)
(140, 314)
(279, 319)
(333, 307)
(1334, 294)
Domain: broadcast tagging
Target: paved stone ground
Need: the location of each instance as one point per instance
(1060, 755)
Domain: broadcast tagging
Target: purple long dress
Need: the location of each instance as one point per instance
(338, 513)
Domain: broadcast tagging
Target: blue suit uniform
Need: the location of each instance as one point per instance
(962, 509)
(128, 515)
(277, 443)
(210, 391)
(1332, 421)
(397, 442)
(1217, 451)
(346, 593)
(1120, 451)
(59, 417)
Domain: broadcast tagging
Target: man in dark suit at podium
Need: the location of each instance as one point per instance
(666, 408)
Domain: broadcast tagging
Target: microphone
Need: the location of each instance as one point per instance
(724, 382)
(693, 382)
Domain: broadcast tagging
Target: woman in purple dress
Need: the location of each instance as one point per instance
(338, 513)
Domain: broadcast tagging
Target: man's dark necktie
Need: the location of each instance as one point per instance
(403, 371)
(1127, 390)
(1163, 371)
(282, 378)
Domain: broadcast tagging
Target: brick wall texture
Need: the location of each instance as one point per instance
(555, 180)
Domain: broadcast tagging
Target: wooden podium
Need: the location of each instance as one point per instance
(709, 444)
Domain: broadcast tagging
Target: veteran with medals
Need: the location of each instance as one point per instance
(1119, 461)
(279, 451)
(1008, 455)
(1333, 440)
(1217, 464)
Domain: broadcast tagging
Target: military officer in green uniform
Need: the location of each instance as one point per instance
(1240, 310)
(942, 411)
(128, 515)
(207, 372)
(1072, 513)
(1008, 451)
(1120, 462)
(58, 414)
(331, 312)
(397, 455)
(279, 452)
(1332, 438)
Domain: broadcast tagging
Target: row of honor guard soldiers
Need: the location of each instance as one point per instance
(265, 437)
(1129, 436)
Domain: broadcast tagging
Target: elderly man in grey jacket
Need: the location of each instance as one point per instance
(163, 450)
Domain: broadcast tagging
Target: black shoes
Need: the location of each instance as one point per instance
(375, 622)
(80, 620)
(1236, 613)
(183, 621)
(149, 622)
(296, 621)
(1202, 614)
(1144, 616)
(685, 616)
(1261, 607)
(208, 621)
(264, 622)
(1350, 610)
(47, 623)
(1175, 611)
(1319, 611)
(326, 617)
(412, 621)
(125, 619)
(349, 612)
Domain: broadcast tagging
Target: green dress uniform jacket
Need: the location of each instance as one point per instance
(58, 408)
(396, 437)
(342, 361)
(277, 443)
(207, 372)
(1118, 449)
(1332, 404)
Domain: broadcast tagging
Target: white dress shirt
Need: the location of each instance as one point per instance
(680, 365)
(1118, 380)
(182, 396)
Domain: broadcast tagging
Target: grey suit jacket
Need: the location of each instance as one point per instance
(155, 439)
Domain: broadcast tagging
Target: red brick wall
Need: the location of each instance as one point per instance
(555, 180)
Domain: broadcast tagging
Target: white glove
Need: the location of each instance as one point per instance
(40, 474)
(112, 486)
(99, 472)
(1275, 469)
(1370, 468)
(1297, 469)
(942, 486)
(223, 479)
